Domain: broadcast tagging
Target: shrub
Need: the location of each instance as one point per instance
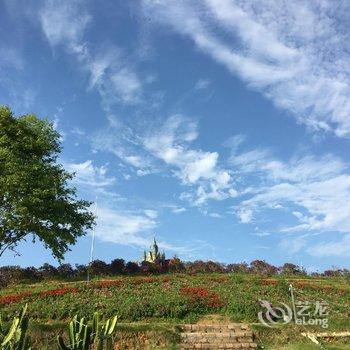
(31, 274)
(263, 268)
(81, 271)
(117, 266)
(291, 269)
(238, 268)
(99, 267)
(48, 271)
(132, 267)
(65, 271)
(176, 265)
(11, 273)
(4, 280)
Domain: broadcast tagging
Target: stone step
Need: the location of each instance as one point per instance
(218, 342)
(240, 346)
(233, 327)
(213, 338)
(226, 334)
(216, 336)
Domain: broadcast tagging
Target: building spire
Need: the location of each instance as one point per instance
(154, 254)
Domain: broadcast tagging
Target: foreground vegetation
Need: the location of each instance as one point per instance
(151, 302)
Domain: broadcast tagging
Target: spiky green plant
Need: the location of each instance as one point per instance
(83, 335)
(15, 337)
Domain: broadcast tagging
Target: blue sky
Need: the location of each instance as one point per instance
(222, 127)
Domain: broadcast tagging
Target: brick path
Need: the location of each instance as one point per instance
(216, 336)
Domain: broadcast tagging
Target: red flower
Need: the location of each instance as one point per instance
(13, 298)
(201, 296)
(59, 291)
(266, 282)
(107, 283)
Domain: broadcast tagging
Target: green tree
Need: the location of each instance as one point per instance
(35, 197)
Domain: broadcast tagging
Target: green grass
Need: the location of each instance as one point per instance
(129, 335)
(150, 307)
(288, 337)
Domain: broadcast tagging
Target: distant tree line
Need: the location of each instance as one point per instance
(11, 274)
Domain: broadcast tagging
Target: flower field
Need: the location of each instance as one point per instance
(173, 298)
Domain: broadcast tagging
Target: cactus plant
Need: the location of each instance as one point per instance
(15, 337)
(83, 335)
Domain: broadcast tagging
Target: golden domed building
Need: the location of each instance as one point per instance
(153, 256)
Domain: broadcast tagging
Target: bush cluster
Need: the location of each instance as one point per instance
(175, 265)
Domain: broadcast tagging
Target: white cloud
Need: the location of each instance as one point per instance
(297, 169)
(245, 215)
(64, 23)
(10, 58)
(88, 175)
(178, 210)
(249, 161)
(215, 215)
(134, 229)
(151, 213)
(171, 143)
(234, 142)
(77, 131)
(114, 223)
(295, 53)
(315, 190)
(127, 85)
(17, 91)
(116, 81)
(124, 143)
(100, 65)
(123, 227)
(334, 248)
(118, 224)
(167, 144)
(202, 84)
(292, 245)
(262, 234)
(114, 78)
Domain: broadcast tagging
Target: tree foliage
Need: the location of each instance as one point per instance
(35, 197)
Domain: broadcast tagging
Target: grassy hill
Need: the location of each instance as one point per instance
(155, 304)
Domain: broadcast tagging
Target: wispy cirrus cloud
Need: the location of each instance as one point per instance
(194, 167)
(117, 81)
(311, 191)
(89, 175)
(10, 58)
(136, 229)
(331, 248)
(314, 191)
(125, 143)
(295, 53)
(166, 145)
(118, 221)
(18, 92)
(64, 24)
(115, 221)
(123, 227)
